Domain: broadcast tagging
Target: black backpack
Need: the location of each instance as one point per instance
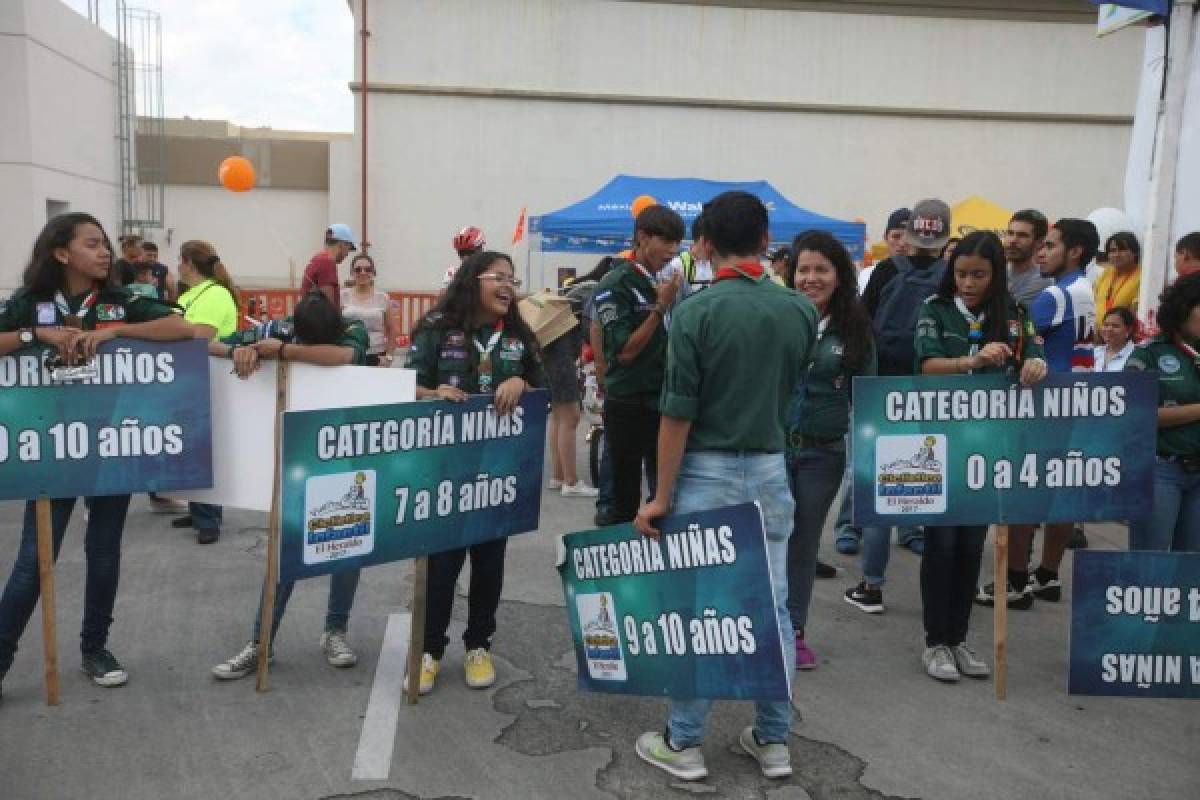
(896, 315)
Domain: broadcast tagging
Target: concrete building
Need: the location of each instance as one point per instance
(57, 142)
(266, 235)
(476, 109)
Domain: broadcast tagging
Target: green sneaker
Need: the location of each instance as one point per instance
(686, 764)
(104, 669)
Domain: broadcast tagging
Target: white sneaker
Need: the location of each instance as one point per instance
(969, 663)
(939, 664)
(241, 665)
(554, 485)
(337, 649)
(686, 764)
(774, 758)
(580, 489)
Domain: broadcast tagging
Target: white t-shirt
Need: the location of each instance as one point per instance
(864, 277)
(371, 312)
(1114, 363)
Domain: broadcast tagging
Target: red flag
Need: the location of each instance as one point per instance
(519, 233)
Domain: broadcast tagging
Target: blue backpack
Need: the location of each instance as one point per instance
(896, 315)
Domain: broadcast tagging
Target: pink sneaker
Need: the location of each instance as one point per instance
(805, 658)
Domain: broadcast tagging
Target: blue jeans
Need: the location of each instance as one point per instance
(604, 483)
(1174, 521)
(712, 480)
(342, 586)
(206, 517)
(102, 547)
(815, 473)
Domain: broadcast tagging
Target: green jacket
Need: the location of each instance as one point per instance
(821, 404)
(943, 332)
(353, 336)
(1178, 385)
(623, 300)
(737, 352)
(113, 306)
(443, 354)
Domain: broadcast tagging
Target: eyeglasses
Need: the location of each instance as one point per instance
(500, 278)
(367, 270)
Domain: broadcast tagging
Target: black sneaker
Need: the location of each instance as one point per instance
(182, 522)
(207, 535)
(865, 599)
(104, 669)
(1045, 585)
(1078, 540)
(826, 570)
(1017, 600)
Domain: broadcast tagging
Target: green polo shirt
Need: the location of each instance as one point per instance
(821, 406)
(737, 352)
(1178, 385)
(113, 306)
(444, 354)
(354, 336)
(623, 300)
(943, 332)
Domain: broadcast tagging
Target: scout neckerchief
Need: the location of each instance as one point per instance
(485, 356)
(974, 323)
(751, 270)
(1188, 350)
(74, 320)
(645, 272)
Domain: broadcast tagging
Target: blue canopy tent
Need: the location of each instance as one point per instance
(603, 222)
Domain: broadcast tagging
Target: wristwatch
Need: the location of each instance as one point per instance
(26, 336)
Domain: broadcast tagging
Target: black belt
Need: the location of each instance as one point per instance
(815, 441)
(1189, 463)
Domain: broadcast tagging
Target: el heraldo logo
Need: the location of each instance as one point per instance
(339, 516)
(910, 474)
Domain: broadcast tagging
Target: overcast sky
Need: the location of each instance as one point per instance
(281, 63)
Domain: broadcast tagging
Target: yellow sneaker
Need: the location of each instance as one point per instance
(429, 671)
(481, 673)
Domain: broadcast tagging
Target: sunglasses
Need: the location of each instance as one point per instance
(498, 278)
(367, 270)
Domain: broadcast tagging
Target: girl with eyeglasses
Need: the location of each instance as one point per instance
(374, 309)
(473, 342)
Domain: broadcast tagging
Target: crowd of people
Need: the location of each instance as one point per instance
(727, 376)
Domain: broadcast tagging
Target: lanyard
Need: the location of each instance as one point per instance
(485, 353)
(1188, 350)
(74, 320)
(975, 323)
(645, 272)
(751, 270)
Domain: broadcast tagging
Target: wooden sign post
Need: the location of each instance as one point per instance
(416, 634)
(45, 553)
(265, 626)
(1000, 611)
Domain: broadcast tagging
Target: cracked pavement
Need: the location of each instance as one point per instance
(873, 725)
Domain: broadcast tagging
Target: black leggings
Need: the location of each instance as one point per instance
(632, 432)
(949, 574)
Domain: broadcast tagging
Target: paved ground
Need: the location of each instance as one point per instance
(872, 724)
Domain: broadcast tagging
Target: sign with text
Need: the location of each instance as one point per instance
(979, 449)
(135, 419)
(375, 484)
(1135, 624)
(689, 615)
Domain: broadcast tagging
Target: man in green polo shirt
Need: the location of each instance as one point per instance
(737, 352)
(630, 310)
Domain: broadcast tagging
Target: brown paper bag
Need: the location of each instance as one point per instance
(548, 315)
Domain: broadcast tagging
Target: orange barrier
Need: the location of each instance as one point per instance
(260, 305)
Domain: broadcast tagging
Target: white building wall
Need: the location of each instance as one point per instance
(58, 81)
(856, 114)
(264, 236)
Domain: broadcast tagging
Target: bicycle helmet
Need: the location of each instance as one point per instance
(469, 240)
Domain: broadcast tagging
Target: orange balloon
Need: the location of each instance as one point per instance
(236, 174)
(641, 203)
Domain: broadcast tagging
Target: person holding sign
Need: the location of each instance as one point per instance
(823, 271)
(71, 300)
(211, 306)
(720, 445)
(316, 334)
(1174, 521)
(971, 326)
(474, 341)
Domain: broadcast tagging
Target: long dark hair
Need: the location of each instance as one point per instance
(203, 257)
(317, 320)
(846, 312)
(1176, 304)
(458, 306)
(985, 245)
(45, 274)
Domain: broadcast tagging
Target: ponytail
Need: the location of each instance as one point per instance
(203, 256)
